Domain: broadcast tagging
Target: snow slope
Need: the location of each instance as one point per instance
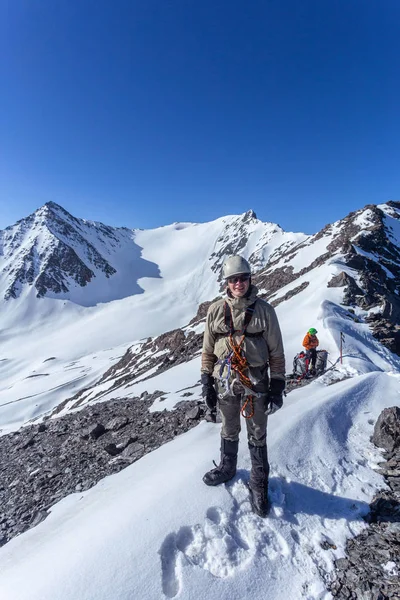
(155, 531)
(188, 258)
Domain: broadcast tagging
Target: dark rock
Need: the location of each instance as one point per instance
(363, 573)
(384, 509)
(134, 451)
(387, 429)
(112, 449)
(342, 563)
(116, 423)
(96, 431)
(193, 413)
(352, 291)
(123, 442)
(28, 443)
(290, 294)
(340, 280)
(38, 469)
(201, 312)
(39, 516)
(326, 545)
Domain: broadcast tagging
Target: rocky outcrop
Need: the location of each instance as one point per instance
(201, 312)
(371, 568)
(385, 330)
(352, 290)
(387, 429)
(72, 453)
(271, 280)
(290, 294)
(62, 264)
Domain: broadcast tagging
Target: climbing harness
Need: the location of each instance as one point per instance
(237, 362)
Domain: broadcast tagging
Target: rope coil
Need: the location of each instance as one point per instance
(239, 365)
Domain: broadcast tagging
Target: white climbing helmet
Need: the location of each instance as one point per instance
(235, 265)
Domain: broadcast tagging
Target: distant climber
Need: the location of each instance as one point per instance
(242, 342)
(311, 343)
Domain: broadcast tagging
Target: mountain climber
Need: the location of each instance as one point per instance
(310, 343)
(242, 339)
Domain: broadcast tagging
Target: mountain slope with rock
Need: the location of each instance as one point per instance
(354, 262)
(361, 292)
(61, 256)
(54, 345)
(112, 388)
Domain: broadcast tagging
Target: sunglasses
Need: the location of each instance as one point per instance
(238, 278)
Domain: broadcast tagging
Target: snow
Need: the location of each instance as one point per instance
(391, 568)
(113, 541)
(73, 332)
(365, 219)
(305, 252)
(154, 530)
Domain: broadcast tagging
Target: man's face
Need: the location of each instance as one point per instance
(239, 284)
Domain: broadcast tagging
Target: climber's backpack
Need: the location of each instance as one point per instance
(300, 364)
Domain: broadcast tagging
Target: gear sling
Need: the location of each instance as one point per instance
(237, 361)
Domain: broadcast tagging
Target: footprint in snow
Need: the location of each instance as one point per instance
(223, 544)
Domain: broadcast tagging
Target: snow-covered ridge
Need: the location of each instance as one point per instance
(326, 261)
(352, 264)
(57, 355)
(87, 262)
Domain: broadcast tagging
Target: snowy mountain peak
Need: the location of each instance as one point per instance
(53, 254)
(250, 214)
(57, 255)
(60, 256)
(51, 209)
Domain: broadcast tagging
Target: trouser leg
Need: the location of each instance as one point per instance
(313, 352)
(257, 424)
(230, 414)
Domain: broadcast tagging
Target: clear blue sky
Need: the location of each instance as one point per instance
(146, 112)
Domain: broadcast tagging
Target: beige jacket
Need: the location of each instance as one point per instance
(267, 349)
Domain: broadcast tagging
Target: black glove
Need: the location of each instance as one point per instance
(208, 391)
(274, 399)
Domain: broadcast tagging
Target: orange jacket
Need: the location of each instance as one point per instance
(310, 341)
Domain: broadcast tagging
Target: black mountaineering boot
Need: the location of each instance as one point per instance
(226, 469)
(258, 484)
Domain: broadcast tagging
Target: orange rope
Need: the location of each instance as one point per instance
(243, 409)
(239, 364)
